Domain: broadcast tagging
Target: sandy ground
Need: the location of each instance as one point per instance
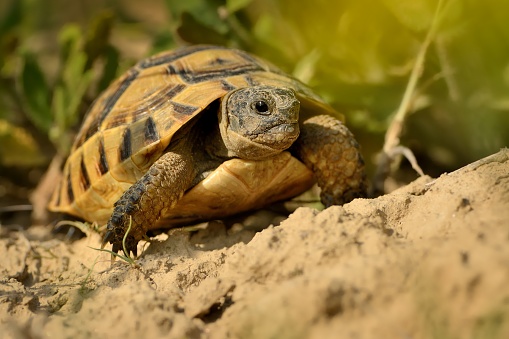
(430, 260)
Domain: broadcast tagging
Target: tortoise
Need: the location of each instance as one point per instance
(199, 133)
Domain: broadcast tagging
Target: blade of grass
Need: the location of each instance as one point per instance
(391, 147)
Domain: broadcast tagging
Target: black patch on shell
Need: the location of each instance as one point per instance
(171, 70)
(112, 100)
(151, 134)
(196, 76)
(174, 91)
(250, 80)
(90, 132)
(70, 193)
(155, 104)
(219, 61)
(225, 85)
(84, 179)
(177, 54)
(103, 162)
(183, 109)
(125, 149)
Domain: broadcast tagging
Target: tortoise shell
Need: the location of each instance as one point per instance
(132, 123)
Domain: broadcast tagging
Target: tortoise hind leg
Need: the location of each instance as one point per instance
(143, 203)
(329, 149)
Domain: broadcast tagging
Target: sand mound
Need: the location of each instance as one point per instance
(428, 260)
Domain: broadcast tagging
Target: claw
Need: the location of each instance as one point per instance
(115, 248)
(130, 247)
(107, 238)
(116, 235)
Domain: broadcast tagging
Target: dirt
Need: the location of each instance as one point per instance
(429, 260)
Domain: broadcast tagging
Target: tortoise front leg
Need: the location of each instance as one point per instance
(329, 149)
(143, 203)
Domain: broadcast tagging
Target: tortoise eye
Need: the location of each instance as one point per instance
(261, 107)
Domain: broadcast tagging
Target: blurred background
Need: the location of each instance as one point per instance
(57, 55)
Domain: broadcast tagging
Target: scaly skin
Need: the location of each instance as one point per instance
(144, 202)
(329, 149)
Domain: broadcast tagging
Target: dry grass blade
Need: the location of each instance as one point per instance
(82, 226)
(392, 148)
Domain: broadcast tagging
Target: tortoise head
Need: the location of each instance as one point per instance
(258, 122)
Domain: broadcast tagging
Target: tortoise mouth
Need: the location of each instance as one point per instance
(279, 137)
(287, 128)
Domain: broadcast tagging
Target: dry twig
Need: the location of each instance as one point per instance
(392, 148)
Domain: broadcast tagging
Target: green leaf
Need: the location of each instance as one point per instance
(12, 17)
(68, 96)
(69, 39)
(97, 40)
(234, 5)
(36, 93)
(73, 81)
(163, 41)
(416, 15)
(305, 69)
(110, 68)
(193, 31)
(9, 37)
(204, 12)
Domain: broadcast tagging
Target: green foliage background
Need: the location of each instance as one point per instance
(57, 55)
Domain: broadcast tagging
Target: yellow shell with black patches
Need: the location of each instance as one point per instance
(131, 124)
